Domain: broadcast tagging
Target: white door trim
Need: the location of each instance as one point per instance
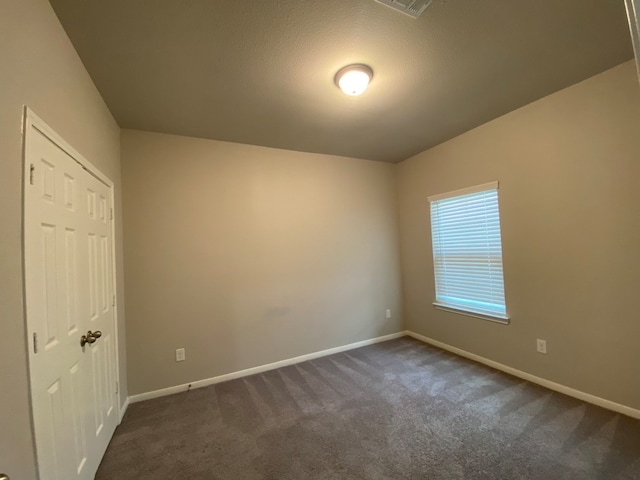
(31, 120)
(633, 15)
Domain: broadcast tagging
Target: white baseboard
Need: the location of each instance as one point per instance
(263, 368)
(586, 397)
(123, 409)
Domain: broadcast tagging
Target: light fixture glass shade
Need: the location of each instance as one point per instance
(354, 79)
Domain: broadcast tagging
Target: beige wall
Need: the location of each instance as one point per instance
(248, 255)
(569, 174)
(40, 69)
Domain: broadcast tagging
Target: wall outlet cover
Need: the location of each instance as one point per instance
(180, 355)
(541, 345)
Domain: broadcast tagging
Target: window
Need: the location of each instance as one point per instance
(467, 252)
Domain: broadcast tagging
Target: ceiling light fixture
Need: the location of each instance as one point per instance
(354, 79)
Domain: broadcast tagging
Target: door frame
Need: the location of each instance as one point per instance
(633, 16)
(31, 120)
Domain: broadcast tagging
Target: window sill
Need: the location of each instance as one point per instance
(503, 319)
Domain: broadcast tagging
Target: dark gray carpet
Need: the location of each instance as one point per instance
(396, 410)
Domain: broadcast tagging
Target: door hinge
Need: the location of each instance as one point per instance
(113, 301)
(35, 342)
(117, 387)
(32, 172)
(112, 214)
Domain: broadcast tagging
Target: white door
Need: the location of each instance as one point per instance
(69, 292)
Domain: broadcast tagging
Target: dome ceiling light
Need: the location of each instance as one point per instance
(354, 79)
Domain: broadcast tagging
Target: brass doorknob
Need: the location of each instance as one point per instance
(89, 338)
(4, 476)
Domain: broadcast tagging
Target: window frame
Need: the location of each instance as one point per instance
(497, 317)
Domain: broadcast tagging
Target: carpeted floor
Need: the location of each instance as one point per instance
(395, 410)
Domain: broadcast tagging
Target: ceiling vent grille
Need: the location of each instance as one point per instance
(413, 8)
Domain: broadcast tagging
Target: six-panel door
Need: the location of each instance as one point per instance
(69, 291)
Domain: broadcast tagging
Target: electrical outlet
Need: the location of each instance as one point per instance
(388, 313)
(180, 356)
(541, 345)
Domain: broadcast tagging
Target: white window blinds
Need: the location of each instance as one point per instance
(467, 251)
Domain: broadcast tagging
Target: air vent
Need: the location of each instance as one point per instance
(413, 8)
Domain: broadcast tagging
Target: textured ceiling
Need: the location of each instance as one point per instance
(261, 72)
